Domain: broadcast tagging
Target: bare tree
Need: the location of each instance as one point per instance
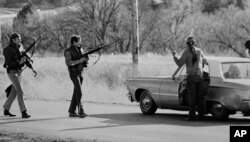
(226, 39)
(148, 22)
(94, 18)
(229, 32)
(58, 32)
(174, 28)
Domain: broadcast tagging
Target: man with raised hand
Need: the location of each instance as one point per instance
(193, 58)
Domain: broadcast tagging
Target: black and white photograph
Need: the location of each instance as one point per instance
(124, 70)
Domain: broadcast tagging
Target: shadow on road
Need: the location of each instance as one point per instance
(129, 119)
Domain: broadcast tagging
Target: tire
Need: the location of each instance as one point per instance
(147, 103)
(218, 111)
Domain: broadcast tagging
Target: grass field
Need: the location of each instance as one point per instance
(104, 82)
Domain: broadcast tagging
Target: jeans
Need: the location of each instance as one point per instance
(77, 79)
(196, 97)
(16, 90)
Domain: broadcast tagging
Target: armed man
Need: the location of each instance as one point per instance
(14, 63)
(76, 62)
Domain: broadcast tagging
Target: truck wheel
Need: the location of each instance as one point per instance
(218, 111)
(147, 103)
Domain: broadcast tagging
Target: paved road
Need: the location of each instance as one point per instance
(117, 123)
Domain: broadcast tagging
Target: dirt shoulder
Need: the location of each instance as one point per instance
(7, 136)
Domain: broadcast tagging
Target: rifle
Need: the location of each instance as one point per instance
(28, 49)
(99, 47)
(28, 61)
(94, 50)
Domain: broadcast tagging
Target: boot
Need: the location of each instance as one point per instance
(81, 113)
(73, 115)
(7, 113)
(25, 115)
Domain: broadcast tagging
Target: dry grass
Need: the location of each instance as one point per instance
(21, 137)
(103, 82)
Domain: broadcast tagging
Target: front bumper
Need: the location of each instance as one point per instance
(129, 95)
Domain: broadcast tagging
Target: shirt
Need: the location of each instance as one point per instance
(72, 57)
(186, 58)
(12, 55)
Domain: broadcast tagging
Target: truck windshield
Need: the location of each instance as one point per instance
(236, 70)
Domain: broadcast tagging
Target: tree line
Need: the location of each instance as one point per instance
(220, 26)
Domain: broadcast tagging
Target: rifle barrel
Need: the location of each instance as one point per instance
(92, 51)
(27, 50)
(95, 50)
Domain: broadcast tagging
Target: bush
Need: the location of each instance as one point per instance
(6, 30)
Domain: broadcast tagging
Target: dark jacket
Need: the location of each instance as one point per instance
(12, 54)
(75, 55)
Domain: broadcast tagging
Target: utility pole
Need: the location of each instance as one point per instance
(0, 37)
(137, 25)
(135, 43)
